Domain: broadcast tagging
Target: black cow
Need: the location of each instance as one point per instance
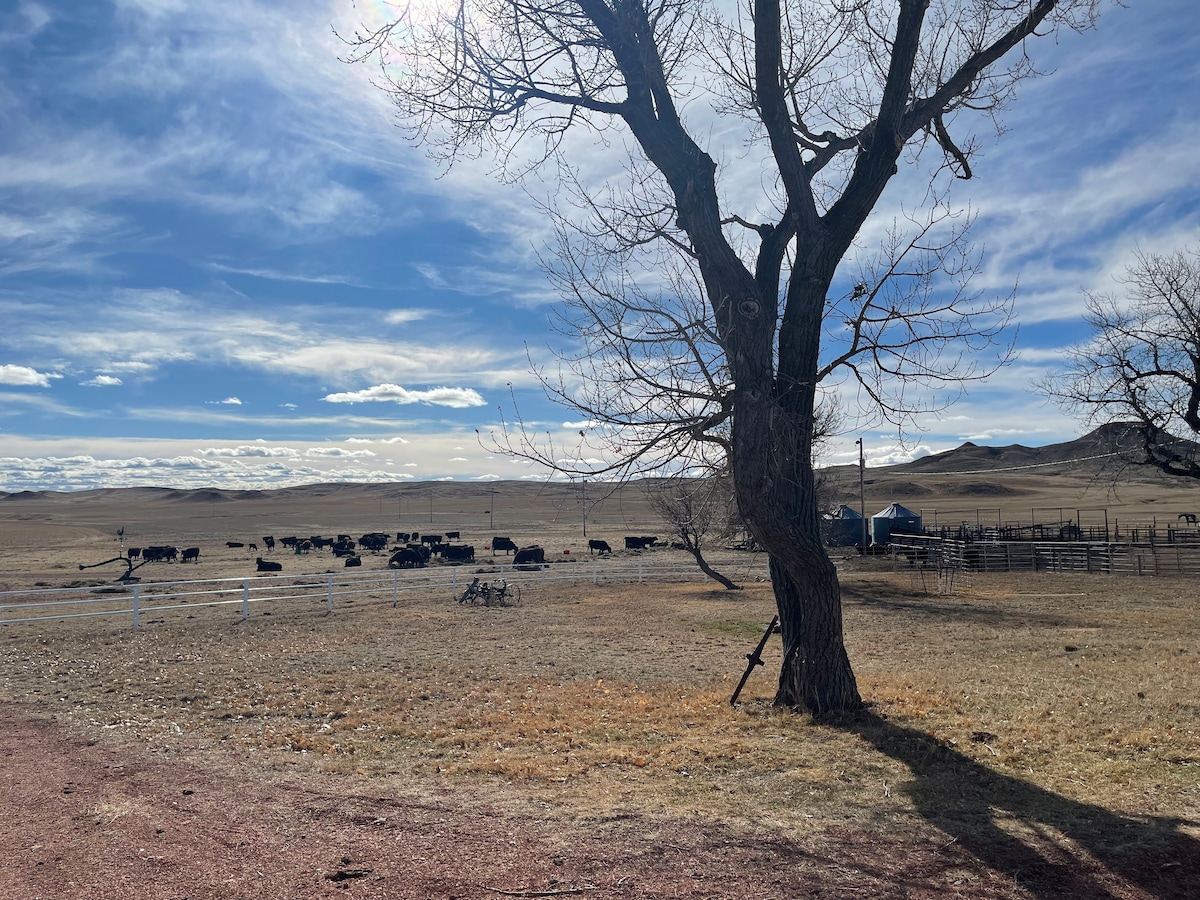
(452, 535)
(192, 553)
(458, 552)
(431, 539)
(133, 552)
(160, 554)
(268, 565)
(376, 540)
(234, 544)
(351, 561)
(403, 537)
(529, 555)
(406, 558)
(503, 543)
(599, 547)
(639, 543)
(290, 541)
(269, 541)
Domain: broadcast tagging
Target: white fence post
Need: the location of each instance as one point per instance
(136, 605)
(245, 599)
(329, 594)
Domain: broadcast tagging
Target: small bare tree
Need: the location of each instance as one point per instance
(751, 142)
(1141, 366)
(698, 511)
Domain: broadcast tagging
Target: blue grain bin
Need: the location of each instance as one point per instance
(843, 527)
(896, 519)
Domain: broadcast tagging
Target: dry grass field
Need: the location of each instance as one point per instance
(1025, 735)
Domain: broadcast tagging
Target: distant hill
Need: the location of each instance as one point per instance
(1101, 448)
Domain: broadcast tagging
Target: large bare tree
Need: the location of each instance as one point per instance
(1141, 366)
(750, 143)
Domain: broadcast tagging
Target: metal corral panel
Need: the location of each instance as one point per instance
(1046, 556)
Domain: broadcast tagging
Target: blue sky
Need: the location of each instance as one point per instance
(221, 263)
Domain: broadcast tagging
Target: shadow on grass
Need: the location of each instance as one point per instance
(973, 613)
(1049, 844)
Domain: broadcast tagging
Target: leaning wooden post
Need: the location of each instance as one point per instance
(754, 659)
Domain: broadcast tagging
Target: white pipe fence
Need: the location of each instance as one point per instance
(139, 600)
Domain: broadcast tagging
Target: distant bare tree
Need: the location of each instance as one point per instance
(748, 144)
(1141, 366)
(698, 511)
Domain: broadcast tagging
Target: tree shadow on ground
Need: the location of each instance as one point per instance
(1051, 845)
(968, 613)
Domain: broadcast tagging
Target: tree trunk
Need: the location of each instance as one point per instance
(777, 497)
(713, 573)
(773, 476)
(816, 674)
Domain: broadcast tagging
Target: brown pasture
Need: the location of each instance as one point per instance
(1025, 735)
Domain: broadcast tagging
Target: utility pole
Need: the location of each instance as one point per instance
(585, 507)
(491, 508)
(862, 493)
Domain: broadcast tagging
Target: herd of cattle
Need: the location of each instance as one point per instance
(411, 550)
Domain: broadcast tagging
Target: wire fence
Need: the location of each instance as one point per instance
(141, 601)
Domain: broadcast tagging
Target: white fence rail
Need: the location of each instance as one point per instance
(139, 600)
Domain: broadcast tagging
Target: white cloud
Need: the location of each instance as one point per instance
(24, 376)
(404, 316)
(245, 450)
(456, 398)
(103, 381)
(338, 453)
